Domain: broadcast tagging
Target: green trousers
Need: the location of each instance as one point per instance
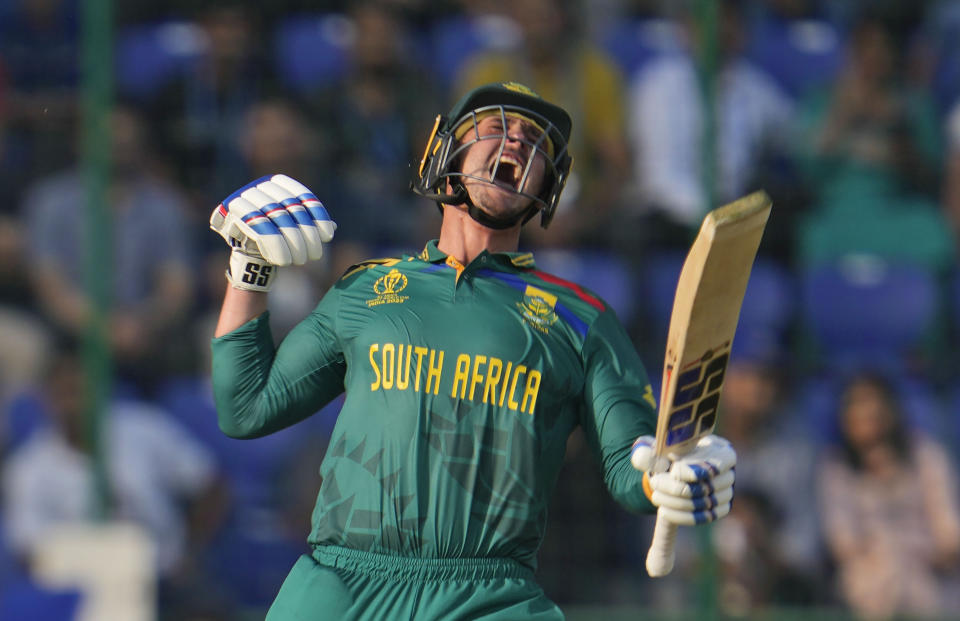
(347, 585)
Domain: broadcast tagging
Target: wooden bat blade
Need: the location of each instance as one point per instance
(706, 309)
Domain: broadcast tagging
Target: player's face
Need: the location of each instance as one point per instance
(502, 172)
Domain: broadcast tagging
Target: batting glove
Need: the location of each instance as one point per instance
(270, 222)
(693, 489)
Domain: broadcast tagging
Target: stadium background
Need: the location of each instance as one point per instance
(110, 109)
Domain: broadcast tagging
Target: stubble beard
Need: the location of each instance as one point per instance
(497, 201)
(496, 198)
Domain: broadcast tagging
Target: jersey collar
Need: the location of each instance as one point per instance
(519, 260)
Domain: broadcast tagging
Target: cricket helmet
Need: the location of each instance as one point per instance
(454, 133)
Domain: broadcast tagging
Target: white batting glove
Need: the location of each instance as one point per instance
(693, 489)
(270, 222)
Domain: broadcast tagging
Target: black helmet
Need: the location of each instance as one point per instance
(444, 148)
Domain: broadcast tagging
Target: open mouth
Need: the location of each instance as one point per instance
(507, 171)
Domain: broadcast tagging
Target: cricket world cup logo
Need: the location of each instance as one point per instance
(388, 289)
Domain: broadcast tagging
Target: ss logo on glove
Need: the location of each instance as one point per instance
(256, 274)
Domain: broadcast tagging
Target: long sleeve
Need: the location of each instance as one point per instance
(259, 390)
(618, 407)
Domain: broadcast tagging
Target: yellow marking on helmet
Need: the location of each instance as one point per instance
(516, 87)
(474, 119)
(426, 151)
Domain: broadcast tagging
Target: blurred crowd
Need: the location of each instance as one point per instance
(842, 396)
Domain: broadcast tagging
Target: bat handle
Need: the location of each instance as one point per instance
(661, 554)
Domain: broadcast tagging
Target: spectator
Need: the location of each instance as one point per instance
(24, 338)
(276, 137)
(158, 476)
(777, 559)
(559, 61)
(39, 41)
(667, 132)
(888, 501)
(872, 148)
(150, 258)
(199, 114)
(374, 122)
(753, 576)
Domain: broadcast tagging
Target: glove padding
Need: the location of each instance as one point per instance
(273, 221)
(693, 489)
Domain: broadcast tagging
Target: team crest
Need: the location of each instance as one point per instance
(388, 289)
(537, 307)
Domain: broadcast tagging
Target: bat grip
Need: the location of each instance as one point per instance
(661, 554)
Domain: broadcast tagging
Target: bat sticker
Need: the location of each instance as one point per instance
(695, 403)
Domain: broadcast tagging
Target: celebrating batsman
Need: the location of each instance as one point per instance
(465, 370)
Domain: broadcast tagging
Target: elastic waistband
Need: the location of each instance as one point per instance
(406, 568)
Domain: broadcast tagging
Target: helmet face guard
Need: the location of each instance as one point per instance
(546, 130)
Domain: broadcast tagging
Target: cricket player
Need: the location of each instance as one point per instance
(465, 370)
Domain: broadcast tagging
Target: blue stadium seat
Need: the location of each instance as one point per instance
(312, 51)
(602, 272)
(769, 302)
(944, 37)
(818, 397)
(24, 414)
(866, 309)
(7, 11)
(149, 55)
(799, 54)
(24, 599)
(660, 274)
(633, 42)
(250, 466)
(456, 38)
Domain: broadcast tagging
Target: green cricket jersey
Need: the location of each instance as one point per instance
(462, 386)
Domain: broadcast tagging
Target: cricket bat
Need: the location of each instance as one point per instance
(706, 307)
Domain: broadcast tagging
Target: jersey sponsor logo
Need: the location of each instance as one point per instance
(475, 377)
(388, 289)
(537, 308)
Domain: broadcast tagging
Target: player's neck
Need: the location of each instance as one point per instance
(464, 238)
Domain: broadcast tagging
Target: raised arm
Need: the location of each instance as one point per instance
(271, 222)
(238, 308)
